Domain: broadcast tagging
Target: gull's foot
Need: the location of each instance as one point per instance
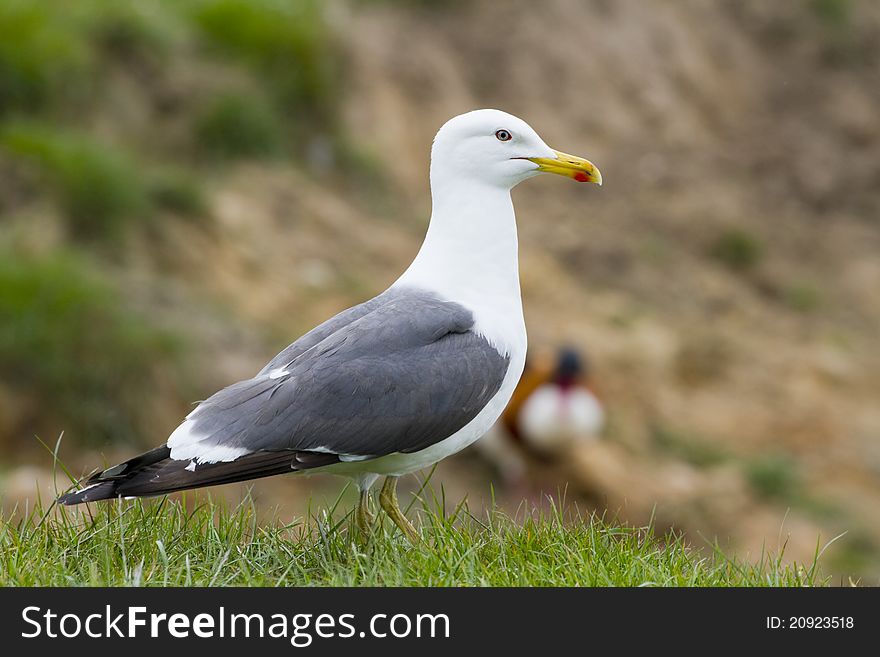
(364, 518)
(389, 504)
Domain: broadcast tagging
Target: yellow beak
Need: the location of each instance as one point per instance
(569, 165)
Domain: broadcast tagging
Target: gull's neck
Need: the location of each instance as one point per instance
(470, 256)
(470, 250)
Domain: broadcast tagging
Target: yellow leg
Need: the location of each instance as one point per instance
(388, 502)
(364, 517)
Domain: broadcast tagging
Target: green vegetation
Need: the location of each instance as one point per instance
(42, 63)
(289, 43)
(834, 13)
(802, 297)
(130, 30)
(163, 543)
(58, 58)
(177, 191)
(774, 477)
(101, 189)
(67, 339)
(50, 51)
(98, 187)
(698, 452)
(777, 478)
(841, 44)
(238, 127)
(737, 249)
(855, 552)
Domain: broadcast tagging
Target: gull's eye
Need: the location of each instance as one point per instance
(503, 135)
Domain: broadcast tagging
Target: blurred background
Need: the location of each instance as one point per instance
(187, 186)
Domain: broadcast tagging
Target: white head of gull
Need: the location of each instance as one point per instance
(398, 382)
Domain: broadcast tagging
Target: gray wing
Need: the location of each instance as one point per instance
(324, 330)
(397, 374)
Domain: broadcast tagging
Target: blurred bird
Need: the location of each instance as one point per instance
(561, 412)
(394, 384)
(553, 409)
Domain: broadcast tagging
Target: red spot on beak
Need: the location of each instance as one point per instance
(580, 176)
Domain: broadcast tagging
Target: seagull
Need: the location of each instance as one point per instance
(399, 382)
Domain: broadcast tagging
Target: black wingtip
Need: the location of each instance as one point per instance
(104, 485)
(69, 499)
(91, 493)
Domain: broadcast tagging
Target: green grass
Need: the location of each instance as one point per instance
(165, 543)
